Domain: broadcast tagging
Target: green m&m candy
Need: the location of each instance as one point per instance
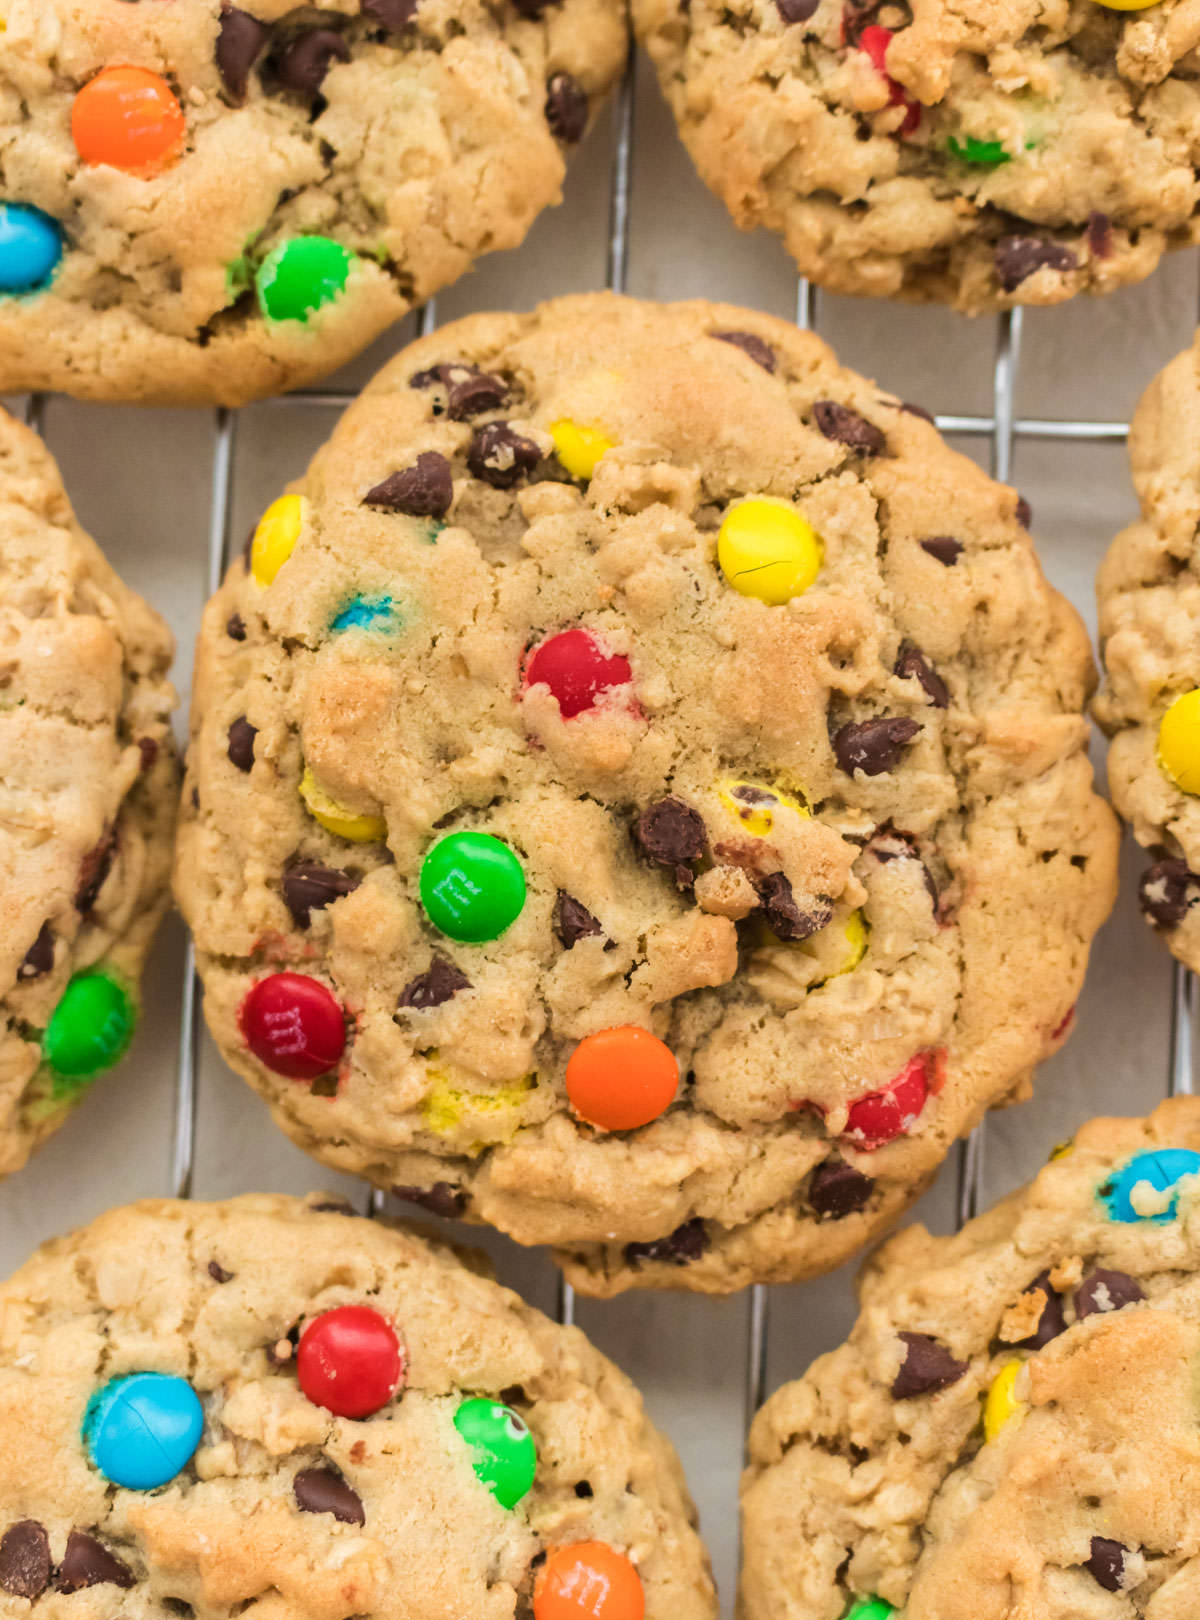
(505, 1456)
(870, 1609)
(472, 886)
(302, 275)
(988, 154)
(89, 1030)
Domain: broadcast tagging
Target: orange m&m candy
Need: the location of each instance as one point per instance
(621, 1078)
(129, 118)
(588, 1581)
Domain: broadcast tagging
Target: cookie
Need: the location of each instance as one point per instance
(619, 810)
(1010, 1428)
(212, 202)
(88, 781)
(981, 156)
(265, 1408)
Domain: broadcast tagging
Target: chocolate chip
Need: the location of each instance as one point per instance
(687, 1242)
(873, 746)
(927, 1366)
(218, 1273)
(309, 887)
(1024, 512)
(944, 548)
(235, 627)
(241, 743)
(501, 457)
(320, 1490)
(25, 1559)
(673, 834)
(840, 423)
(303, 64)
(440, 982)
(566, 108)
(583, 1489)
(912, 665)
(148, 749)
(1052, 1321)
(1017, 257)
(470, 391)
(239, 44)
(759, 351)
(1107, 1563)
(1167, 891)
(423, 490)
(39, 958)
(836, 1189)
(97, 864)
(393, 14)
(1102, 1291)
(572, 920)
(443, 1198)
(1099, 235)
(87, 1563)
(429, 378)
(784, 916)
(796, 11)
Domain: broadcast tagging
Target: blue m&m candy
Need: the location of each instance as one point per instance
(31, 246)
(141, 1430)
(1159, 1169)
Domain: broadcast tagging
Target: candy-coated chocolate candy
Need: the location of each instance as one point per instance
(505, 1456)
(1127, 5)
(872, 1608)
(472, 887)
(141, 1430)
(1179, 742)
(1156, 1171)
(301, 276)
(31, 246)
(855, 932)
(883, 1115)
(875, 41)
(128, 118)
(293, 1025)
(621, 1078)
(350, 1361)
(576, 669)
(353, 825)
(987, 154)
(364, 613)
(588, 1581)
(1060, 1150)
(1001, 1406)
(89, 1030)
(753, 805)
(276, 536)
(579, 448)
(766, 549)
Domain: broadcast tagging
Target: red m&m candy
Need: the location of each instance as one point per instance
(875, 41)
(884, 1115)
(294, 1025)
(350, 1361)
(577, 670)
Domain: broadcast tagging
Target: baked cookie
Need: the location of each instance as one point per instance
(974, 154)
(206, 201)
(1010, 1429)
(258, 1409)
(619, 810)
(88, 781)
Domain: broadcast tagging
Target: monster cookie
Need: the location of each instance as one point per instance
(1011, 1428)
(260, 1409)
(207, 201)
(622, 811)
(87, 799)
(979, 155)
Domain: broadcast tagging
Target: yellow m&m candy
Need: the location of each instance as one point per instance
(276, 536)
(337, 818)
(753, 805)
(1126, 5)
(766, 549)
(1179, 742)
(1002, 1406)
(579, 448)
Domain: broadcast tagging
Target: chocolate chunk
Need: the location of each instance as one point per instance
(470, 391)
(912, 665)
(1104, 1290)
(393, 14)
(39, 958)
(673, 834)
(309, 887)
(759, 351)
(25, 1559)
(873, 746)
(942, 546)
(440, 982)
(320, 1490)
(501, 457)
(1017, 257)
(796, 11)
(1052, 1321)
(836, 1189)
(235, 627)
(1167, 891)
(572, 920)
(423, 490)
(1099, 235)
(686, 1242)
(87, 1563)
(239, 44)
(566, 108)
(97, 864)
(784, 916)
(241, 743)
(443, 1198)
(148, 749)
(218, 1273)
(303, 64)
(847, 427)
(1024, 512)
(927, 1366)
(1107, 1563)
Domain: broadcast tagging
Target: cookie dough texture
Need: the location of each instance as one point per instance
(941, 908)
(979, 155)
(88, 778)
(854, 1489)
(425, 144)
(211, 1293)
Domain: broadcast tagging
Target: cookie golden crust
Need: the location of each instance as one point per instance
(231, 201)
(283, 1507)
(88, 783)
(1010, 1429)
(979, 155)
(779, 896)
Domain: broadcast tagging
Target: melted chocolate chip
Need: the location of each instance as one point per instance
(97, 864)
(687, 1242)
(25, 1559)
(303, 64)
(393, 14)
(840, 423)
(235, 627)
(759, 351)
(912, 665)
(836, 1189)
(572, 920)
(566, 108)
(1167, 891)
(874, 746)
(320, 1490)
(944, 548)
(39, 958)
(927, 1366)
(309, 887)
(673, 834)
(87, 1563)
(443, 1198)
(440, 982)
(784, 916)
(796, 11)
(501, 457)
(423, 490)
(470, 391)
(1017, 257)
(148, 749)
(1107, 1563)
(241, 743)
(1024, 512)
(218, 1273)
(1052, 1321)
(1099, 235)
(239, 44)
(1102, 1291)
